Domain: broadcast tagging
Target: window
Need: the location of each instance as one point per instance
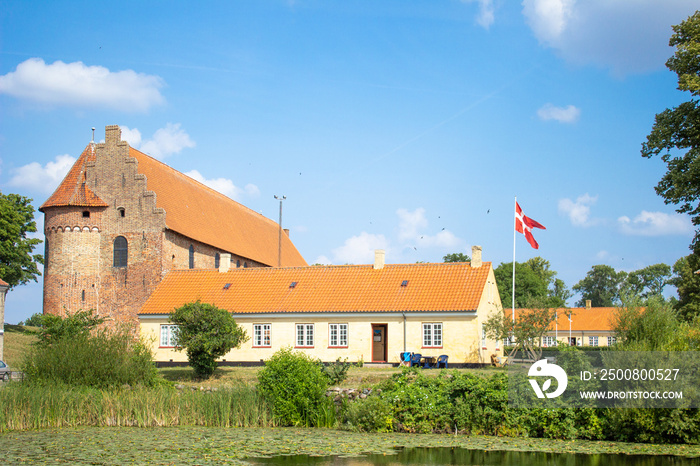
(238, 263)
(305, 335)
(261, 335)
(122, 211)
(191, 256)
(483, 336)
(548, 342)
(432, 335)
(86, 214)
(217, 260)
(612, 341)
(338, 335)
(121, 251)
(592, 341)
(167, 335)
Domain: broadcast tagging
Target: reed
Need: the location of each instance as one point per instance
(27, 406)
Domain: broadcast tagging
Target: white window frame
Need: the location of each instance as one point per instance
(262, 335)
(338, 335)
(167, 335)
(548, 341)
(612, 341)
(592, 341)
(304, 335)
(432, 334)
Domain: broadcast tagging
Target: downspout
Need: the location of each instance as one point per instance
(404, 332)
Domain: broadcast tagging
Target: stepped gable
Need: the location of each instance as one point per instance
(73, 190)
(205, 215)
(438, 287)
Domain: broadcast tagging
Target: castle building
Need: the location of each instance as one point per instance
(121, 220)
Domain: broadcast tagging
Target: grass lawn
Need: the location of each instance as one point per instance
(17, 342)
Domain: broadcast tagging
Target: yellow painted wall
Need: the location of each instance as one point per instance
(462, 340)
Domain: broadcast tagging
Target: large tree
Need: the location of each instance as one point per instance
(602, 285)
(206, 333)
(17, 263)
(687, 282)
(533, 280)
(676, 131)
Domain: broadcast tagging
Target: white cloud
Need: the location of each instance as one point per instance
(322, 260)
(78, 85)
(655, 224)
(359, 249)
(486, 15)
(412, 223)
(45, 178)
(132, 136)
(567, 114)
(225, 186)
(166, 141)
(578, 212)
(627, 36)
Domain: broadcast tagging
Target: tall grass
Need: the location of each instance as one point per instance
(25, 406)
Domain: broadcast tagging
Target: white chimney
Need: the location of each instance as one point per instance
(476, 257)
(224, 263)
(379, 255)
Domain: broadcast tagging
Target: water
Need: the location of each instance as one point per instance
(461, 456)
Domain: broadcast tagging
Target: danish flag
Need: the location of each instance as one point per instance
(524, 225)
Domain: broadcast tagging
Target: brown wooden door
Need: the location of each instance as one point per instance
(379, 343)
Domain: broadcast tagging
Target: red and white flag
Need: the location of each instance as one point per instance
(524, 225)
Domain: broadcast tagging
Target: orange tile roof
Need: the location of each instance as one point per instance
(349, 288)
(205, 215)
(3, 282)
(72, 191)
(582, 319)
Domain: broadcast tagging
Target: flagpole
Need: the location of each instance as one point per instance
(515, 203)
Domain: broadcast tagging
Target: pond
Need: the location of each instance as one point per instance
(462, 456)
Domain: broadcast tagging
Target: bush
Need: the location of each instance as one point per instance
(100, 359)
(372, 414)
(335, 372)
(36, 320)
(294, 385)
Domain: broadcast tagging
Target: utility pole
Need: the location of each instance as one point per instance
(279, 241)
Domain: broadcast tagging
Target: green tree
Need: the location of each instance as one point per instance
(206, 333)
(533, 280)
(676, 131)
(649, 281)
(17, 263)
(526, 330)
(55, 328)
(456, 257)
(601, 285)
(687, 282)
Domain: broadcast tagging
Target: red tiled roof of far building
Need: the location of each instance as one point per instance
(455, 287)
(3, 282)
(203, 214)
(594, 318)
(72, 191)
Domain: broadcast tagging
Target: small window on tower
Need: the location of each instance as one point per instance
(122, 212)
(86, 214)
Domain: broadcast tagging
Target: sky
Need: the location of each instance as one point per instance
(404, 125)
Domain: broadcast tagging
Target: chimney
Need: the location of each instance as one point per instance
(588, 304)
(476, 257)
(379, 255)
(286, 231)
(113, 134)
(224, 263)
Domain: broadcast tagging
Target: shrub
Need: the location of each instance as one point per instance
(336, 372)
(372, 414)
(294, 385)
(100, 359)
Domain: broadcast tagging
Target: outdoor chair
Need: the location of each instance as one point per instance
(415, 360)
(405, 358)
(442, 361)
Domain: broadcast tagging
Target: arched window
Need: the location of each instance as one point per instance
(217, 260)
(238, 263)
(46, 253)
(121, 252)
(191, 256)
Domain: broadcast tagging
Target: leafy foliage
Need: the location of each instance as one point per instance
(601, 285)
(56, 328)
(687, 282)
(335, 372)
(206, 333)
(456, 257)
(677, 130)
(295, 386)
(35, 320)
(17, 263)
(533, 280)
(100, 359)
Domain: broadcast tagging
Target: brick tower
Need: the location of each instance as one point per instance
(109, 241)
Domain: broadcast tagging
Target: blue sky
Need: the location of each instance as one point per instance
(403, 125)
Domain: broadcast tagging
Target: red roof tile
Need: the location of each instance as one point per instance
(350, 288)
(72, 191)
(203, 214)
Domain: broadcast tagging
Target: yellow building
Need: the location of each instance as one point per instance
(368, 313)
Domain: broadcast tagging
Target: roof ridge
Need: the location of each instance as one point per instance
(199, 184)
